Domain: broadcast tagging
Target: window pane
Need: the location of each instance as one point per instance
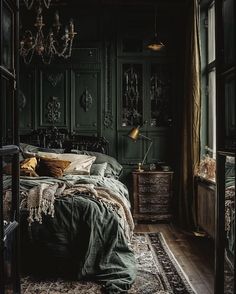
(212, 110)
(211, 34)
(229, 31)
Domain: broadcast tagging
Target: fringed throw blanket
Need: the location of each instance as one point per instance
(40, 200)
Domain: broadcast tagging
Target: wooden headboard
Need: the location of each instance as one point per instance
(61, 138)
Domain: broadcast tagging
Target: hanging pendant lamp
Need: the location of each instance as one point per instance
(155, 44)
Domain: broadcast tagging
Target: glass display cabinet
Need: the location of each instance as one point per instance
(9, 151)
(225, 254)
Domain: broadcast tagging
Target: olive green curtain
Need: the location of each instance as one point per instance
(189, 139)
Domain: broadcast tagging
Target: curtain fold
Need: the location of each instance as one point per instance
(189, 138)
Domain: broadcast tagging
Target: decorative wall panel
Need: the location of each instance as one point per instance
(53, 98)
(86, 100)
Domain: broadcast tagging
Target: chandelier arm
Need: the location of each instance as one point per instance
(29, 6)
(47, 3)
(44, 60)
(31, 57)
(61, 54)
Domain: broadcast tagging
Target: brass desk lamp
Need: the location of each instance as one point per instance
(134, 134)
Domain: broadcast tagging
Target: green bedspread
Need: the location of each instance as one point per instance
(84, 240)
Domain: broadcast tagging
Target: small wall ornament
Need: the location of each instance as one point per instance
(54, 79)
(86, 100)
(52, 110)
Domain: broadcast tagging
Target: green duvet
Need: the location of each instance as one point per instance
(84, 239)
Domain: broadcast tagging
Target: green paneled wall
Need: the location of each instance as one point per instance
(86, 93)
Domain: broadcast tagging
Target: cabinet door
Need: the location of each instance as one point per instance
(228, 15)
(9, 235)
(7, 36)
(145, 99)
(230, 117)
(160, 95)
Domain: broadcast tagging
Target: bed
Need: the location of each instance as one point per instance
(75, 213)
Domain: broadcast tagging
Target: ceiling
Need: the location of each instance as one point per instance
(76, 3)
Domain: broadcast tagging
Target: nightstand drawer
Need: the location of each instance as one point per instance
(153, 208)
(154, 179)
(158, 189)
(153, 199)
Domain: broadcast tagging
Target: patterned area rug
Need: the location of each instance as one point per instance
(158, 273)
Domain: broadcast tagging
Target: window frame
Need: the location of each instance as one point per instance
(208, 127)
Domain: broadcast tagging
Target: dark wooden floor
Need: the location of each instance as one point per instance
(194, 254)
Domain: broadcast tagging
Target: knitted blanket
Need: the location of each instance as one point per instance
(121, 207)
(40, 200)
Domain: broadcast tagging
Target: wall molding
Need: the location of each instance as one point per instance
(108, 115)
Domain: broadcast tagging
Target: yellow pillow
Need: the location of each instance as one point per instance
(29, 163)
(27, 167)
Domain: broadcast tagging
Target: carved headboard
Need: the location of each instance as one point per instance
(61, 138)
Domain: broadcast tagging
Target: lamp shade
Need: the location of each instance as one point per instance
(134, 133)
(156, 44)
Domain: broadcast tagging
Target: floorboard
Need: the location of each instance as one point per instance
(194, 254)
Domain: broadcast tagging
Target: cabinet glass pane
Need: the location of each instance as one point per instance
(211, 34)
(132, 94)
(160, 95)
(6, 112)
(230, 126)
(229, 225)
(212, 110)
(229, 31)
(7, 37)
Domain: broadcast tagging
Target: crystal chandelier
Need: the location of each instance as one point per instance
(57, 42)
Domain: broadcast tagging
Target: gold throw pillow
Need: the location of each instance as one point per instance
(51, 167)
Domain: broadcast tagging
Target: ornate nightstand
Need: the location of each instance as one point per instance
(152, 194)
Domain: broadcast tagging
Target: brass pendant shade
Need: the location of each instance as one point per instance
(155, 44)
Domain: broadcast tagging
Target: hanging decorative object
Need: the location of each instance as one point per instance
(57, 42)
(155, 44)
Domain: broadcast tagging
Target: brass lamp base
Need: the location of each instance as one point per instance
(139, 169)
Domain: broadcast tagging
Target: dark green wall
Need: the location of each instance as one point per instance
(101, 53)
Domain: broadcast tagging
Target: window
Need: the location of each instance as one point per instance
(208, 132)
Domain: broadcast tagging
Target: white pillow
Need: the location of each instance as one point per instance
(46, 154)
(80, 164)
